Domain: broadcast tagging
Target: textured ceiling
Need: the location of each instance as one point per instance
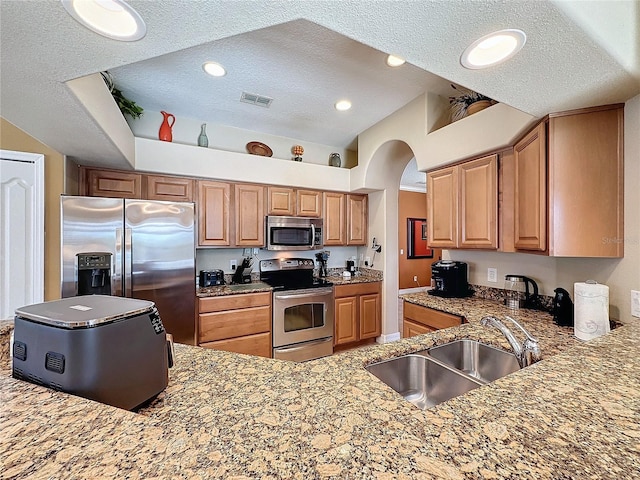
(569, 60)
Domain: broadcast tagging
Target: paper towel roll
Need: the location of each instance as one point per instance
(591, 311)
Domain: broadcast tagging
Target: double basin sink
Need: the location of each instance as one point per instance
(429, 377)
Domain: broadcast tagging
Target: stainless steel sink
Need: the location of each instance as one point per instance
(476, 359)
(421, 380)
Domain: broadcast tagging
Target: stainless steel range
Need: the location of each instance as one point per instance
(303, 309)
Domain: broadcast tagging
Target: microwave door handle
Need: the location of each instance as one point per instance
(313, 236)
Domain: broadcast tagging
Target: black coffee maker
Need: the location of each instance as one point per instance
(562, 308)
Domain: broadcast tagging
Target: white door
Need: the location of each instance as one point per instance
(21, 230)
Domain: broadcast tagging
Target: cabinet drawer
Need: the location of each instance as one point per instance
(429, 317)
(234, 323)
(233, 302)
(258, 344)
(356, 289)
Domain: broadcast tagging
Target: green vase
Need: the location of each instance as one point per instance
(203, 141)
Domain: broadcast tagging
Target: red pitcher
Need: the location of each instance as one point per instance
(165, 133)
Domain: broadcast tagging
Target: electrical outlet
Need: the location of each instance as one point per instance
(233, 264)
(415, 278)
(635, 303)
(255, 251)
(367, 261)
(492, 275)
(402, 251)
(246, 252)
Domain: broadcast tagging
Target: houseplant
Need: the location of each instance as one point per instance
(467, 102)
(126, 106)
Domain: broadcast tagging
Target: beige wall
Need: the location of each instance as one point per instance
(412, 205)
(12, 138)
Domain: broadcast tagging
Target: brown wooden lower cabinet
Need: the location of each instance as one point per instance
(418, 320)
(236, 323)
(358, 312)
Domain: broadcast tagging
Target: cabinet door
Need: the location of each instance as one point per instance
(281, 201)
(108, 183)
(174, 189)
(586, 176)
(249, 209)
(370, 316)
(346, 325)
(442, 192)
(309, 203)
(530, 198)
(479, 203)
(213, 213)
(411, 329)
(428, 317)
(357, 218)
(334, 218)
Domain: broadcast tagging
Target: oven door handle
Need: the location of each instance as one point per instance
(306, 345)
(307, 294)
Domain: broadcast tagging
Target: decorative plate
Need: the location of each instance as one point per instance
(257, 148)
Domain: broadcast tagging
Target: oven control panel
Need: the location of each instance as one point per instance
(279, 264)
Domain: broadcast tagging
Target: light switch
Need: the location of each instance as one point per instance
(492, 275)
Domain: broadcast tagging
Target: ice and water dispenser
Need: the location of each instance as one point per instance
(94, 273)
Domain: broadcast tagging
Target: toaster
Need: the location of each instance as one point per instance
(211, 278)
(112, 350)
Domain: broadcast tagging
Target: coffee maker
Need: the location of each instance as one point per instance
(94, 273)
(450, 279)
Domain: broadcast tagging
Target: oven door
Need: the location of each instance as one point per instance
(302, 316)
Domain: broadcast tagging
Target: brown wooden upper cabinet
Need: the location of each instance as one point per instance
(569, 188)
(357, 219)
(463, 205)
(110, 183)
(334, 219)
(294, 202)
(174, 189)
(530, 197)
(249, 215)
(214, 204)
(308, 203)
(345, 219)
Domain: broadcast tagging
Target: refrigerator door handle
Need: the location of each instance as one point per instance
(116, 280)
(128, 263)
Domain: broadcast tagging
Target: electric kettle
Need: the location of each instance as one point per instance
(517, 293)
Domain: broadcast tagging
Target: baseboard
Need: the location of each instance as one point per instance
(393, 337)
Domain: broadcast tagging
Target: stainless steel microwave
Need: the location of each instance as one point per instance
(293, 233)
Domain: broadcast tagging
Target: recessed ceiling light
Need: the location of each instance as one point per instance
(343, 105)
(395, 61)
(214, 69)
(493, 49)
(114, 19)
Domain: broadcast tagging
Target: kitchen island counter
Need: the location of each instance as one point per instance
(573, 415)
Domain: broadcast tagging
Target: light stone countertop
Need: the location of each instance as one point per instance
(574, 415)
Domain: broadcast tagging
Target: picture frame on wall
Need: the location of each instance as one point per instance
(417, 246)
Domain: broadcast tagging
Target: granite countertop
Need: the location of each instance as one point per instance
(575, 414)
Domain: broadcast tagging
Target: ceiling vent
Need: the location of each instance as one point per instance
(254, 99)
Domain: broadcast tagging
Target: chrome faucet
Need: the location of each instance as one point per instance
(527, 353)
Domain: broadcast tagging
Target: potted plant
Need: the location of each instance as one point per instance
(126, 106)
(467, 102)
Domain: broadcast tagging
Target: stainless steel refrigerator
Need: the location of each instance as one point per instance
(133, 248)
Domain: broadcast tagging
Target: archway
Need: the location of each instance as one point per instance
(384, 172)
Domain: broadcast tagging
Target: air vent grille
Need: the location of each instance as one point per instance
(254, 99)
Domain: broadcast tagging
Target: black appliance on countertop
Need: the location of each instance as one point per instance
(211, 278)
(562, 308)
(109, 349)
(450, 279)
